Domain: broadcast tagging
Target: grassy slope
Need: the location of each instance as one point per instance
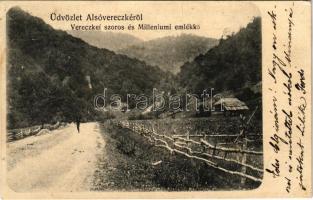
(129, 167)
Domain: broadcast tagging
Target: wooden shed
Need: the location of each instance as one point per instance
(230, 106)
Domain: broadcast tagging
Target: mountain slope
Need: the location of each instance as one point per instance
(107, 40)
(169, 53)
(50, 73)
(233, 65)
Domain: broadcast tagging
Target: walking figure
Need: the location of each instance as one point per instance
(78, 123)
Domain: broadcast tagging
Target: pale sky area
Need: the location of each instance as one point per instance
(214, 18)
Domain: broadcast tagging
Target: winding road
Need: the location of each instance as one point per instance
(62, 160)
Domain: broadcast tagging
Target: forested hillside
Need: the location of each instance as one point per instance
(233, 65)
(54, 76)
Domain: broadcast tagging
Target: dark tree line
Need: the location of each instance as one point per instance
(48, 70)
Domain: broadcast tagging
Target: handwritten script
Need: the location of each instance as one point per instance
(288, 103)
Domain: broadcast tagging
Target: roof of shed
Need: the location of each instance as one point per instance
(232, 104)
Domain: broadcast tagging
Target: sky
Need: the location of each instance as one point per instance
(214, 18)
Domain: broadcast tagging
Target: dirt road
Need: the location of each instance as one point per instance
(62, 160)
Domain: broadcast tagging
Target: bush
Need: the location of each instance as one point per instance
(178, 173)
(126, 145)
(141, 116)
(103, 116)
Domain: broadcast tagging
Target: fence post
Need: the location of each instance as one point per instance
(188, 138)
(244, 159)
(214, 149)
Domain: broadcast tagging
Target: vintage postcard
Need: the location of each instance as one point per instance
(155, 99)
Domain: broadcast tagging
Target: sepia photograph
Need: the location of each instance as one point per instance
(155, 99)
(169, 107)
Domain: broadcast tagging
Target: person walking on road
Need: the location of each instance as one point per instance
(78, 123)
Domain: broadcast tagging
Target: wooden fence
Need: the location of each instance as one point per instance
(231, 159)
(17, 134)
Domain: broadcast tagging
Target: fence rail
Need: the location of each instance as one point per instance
(17, 134)
(220, 158)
